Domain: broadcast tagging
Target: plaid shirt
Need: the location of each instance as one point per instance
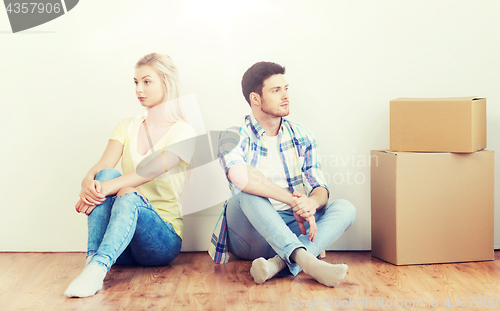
(243, 144)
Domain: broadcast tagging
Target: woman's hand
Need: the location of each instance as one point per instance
(312, 226)
(82, 207)
(91, 192)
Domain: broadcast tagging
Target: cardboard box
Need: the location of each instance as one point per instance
(438, 124)
(432, 207)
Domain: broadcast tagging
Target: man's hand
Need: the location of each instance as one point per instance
(312, 226)
(303, 205)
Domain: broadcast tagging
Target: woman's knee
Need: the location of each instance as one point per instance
(107, 174)
(127, 190)
(124, 191)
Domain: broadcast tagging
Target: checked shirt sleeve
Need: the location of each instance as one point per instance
(232, 150)
(218, 246)
(311, 169)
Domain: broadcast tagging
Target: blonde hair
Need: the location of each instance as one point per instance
(166, 69)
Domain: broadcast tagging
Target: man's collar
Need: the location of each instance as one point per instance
(258, 129)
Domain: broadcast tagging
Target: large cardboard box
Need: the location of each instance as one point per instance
(432, 207)
(438, 124)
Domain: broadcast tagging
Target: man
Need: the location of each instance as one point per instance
(278, 215)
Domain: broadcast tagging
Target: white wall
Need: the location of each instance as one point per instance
(65, 84)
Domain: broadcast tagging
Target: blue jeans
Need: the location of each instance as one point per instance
(127, 230)
(256, 229)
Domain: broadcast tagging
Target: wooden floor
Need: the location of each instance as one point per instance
(36, 281)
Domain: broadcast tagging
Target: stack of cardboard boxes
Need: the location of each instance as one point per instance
(432, 193)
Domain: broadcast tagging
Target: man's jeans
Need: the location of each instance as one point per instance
(256, 229)
(127, 230)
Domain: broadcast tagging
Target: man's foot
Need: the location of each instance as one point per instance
(323, 272)
(87, 283)
(262, 269)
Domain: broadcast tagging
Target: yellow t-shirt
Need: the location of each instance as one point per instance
(164, 191)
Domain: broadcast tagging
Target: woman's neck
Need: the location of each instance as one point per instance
(157, 116)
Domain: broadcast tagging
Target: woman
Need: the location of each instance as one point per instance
(136, 218)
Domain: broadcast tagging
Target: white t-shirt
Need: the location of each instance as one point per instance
(274, 169)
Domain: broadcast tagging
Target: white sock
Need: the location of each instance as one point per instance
(323, 272)
(87, 283)
(262, 270)
(87, 260)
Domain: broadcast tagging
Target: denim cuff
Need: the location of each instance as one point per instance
(293, 267)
